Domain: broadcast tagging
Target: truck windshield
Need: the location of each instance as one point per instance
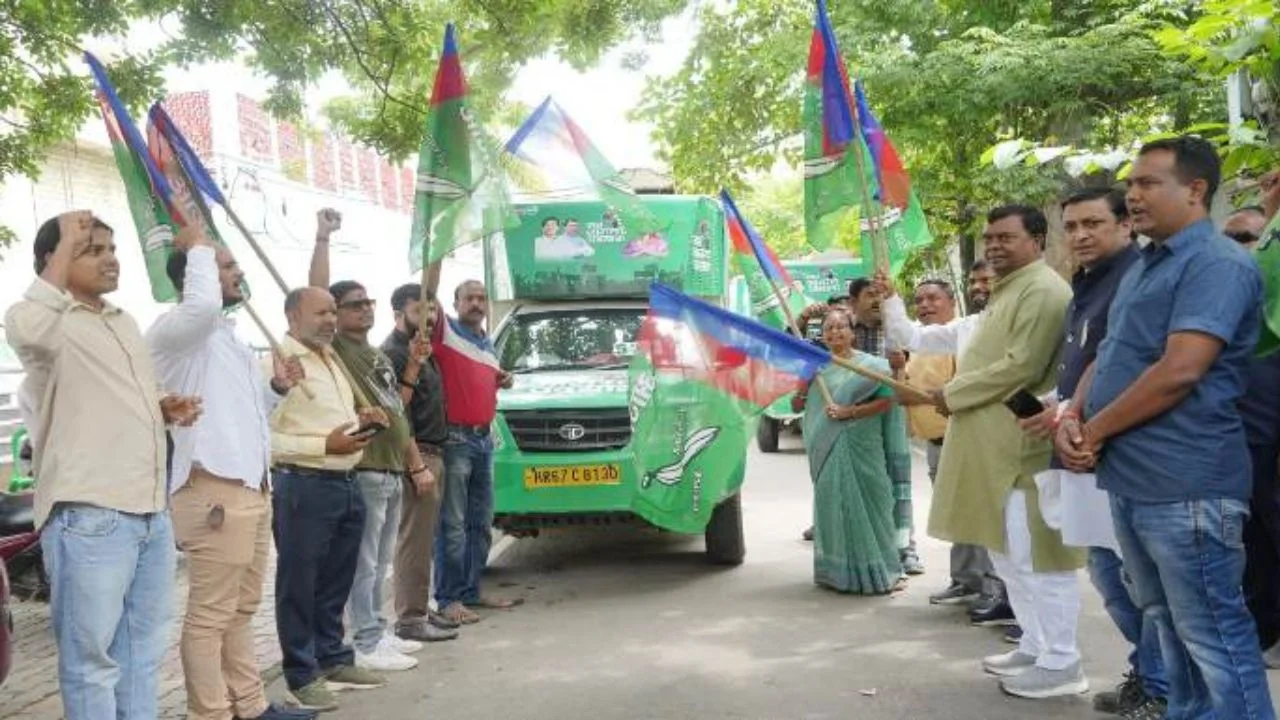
(570, 340)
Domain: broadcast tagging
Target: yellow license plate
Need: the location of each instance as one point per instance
(572, 476)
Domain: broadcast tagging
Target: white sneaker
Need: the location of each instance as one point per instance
(1014, 662)
(1037, 683)
(399, 645)
(383, 659)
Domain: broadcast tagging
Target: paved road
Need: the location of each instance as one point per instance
(634, 624)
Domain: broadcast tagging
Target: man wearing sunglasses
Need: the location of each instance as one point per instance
(389, 457)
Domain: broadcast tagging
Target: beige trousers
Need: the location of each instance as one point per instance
(416, 544)
(226, 559)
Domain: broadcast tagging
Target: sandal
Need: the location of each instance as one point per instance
(457, 612)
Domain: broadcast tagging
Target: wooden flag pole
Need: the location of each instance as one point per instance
(257, 249)
(880, 248)
(904, 390)
(362, 400)
(194, 192)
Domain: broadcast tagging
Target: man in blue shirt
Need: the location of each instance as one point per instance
(1157, 417)
(1096, 223)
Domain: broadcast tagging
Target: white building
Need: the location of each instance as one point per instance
(275, 176)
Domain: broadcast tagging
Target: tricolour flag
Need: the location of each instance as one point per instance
(461, 194)
(898, 212)
(192, 185)
(855, 183)
(738, 356)
(761, 268)
(174, 156)
(551, 156)
(148, 191)
(702, 375)
(833, 188)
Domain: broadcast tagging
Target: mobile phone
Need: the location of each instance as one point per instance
(1023, 404)
(368, 430)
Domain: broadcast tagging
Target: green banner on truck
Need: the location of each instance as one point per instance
(581, 250)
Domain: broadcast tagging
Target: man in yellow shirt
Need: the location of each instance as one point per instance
(317, 438)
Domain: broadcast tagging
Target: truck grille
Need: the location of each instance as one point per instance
(569, 430)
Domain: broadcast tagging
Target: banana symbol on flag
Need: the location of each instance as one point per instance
(672, 474)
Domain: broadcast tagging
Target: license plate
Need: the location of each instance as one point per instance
(572, 476)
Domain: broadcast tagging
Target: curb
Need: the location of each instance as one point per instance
(496, 551)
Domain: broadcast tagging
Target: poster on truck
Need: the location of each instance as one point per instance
(566, 250)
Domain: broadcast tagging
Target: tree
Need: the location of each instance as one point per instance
(948, 80)
(770, 205)
(387, 50)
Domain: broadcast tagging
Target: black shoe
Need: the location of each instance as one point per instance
(1127, 696)
(441, 621)
(1013, 634)
(1151, 709)
(424, 631)
(999, 615)
(280, 712)
(808, 534)
(953, 595)
(983, 603)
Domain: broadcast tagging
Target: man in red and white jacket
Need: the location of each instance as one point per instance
(471, 376)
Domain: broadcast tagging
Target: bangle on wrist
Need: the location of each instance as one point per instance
(415, 471)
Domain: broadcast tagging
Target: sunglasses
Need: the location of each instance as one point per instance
(366, 304)
(1243, 237)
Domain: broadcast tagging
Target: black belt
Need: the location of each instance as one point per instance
(316, 472)
(470, 429)
(936, 443)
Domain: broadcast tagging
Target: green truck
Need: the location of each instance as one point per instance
(820, 278)
(569, 290)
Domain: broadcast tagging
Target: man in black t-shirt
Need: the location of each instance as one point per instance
(423, 394)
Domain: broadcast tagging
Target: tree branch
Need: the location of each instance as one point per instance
(382, 85)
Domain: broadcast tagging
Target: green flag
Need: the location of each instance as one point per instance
(1268, 256)
(142, 181)
(461, 194)
(688, 440)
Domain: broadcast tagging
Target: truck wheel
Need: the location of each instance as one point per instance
(725, 542)
(767, 432)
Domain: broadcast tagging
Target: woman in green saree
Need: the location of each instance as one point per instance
(860, 464)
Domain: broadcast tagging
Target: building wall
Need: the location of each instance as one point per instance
(279, 212)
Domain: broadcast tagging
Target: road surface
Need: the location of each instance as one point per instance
(634, 624)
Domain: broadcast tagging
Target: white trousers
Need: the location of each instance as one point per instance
(1047, 604)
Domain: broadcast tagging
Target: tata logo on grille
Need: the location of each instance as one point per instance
(572, 431)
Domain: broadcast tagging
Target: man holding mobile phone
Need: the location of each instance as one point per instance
(389, 457)
(985, 492)
(1099, 231)
(317, 510)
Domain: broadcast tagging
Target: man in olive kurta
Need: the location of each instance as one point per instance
(985, 493)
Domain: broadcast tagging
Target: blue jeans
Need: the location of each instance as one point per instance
(317, 521)
(112, 576)
(1186, 561)
(466, 518)
(1106, 570)
(381, 494)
